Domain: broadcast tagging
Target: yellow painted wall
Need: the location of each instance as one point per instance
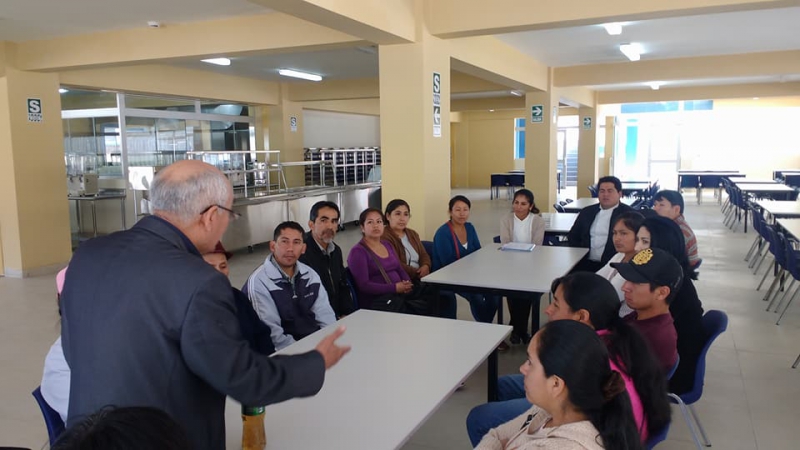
(34, 218)
(369, 106)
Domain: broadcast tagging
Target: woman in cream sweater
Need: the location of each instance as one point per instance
(523, 225)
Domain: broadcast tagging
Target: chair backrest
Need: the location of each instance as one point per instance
(657, 438)
(55, 426)
(699, 262)
(428, 246)
(714, 323)
(674, 368)
(558, 208)
(496, 239)
(592, 190)
(352, 285)
(569, 200)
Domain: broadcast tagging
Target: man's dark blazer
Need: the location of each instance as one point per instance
(580, 235)
(147, 322)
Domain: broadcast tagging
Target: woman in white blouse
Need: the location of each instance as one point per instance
(523, 225)
(624, 236)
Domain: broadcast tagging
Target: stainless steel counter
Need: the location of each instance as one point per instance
(260, 215)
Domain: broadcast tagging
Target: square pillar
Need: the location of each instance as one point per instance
(587, 148)
(415, 157)
(288, 140)
(34, 210)
(541, 157)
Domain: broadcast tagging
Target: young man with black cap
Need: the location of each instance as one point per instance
(652, 278)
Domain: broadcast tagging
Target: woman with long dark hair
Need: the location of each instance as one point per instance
(624, 237)
(405, 241)
(579, 401)
(686, 308)
(454, 240)
(523, 224)
(588, 298)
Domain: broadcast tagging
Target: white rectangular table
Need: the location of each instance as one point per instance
(792, 226)
(780, 208)
(399, 372)
(558, 223)
(738, 181)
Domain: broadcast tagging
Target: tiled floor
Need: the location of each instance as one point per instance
(751, 393)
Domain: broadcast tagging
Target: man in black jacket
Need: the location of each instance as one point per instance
(325, 257)
(593, 229)
(147, 322)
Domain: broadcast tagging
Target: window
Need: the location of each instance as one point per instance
(519, 138)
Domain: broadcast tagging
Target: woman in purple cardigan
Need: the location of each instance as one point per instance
(365, 261)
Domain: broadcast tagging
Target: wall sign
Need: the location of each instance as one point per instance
(35, 110)
(293, 123)
(537, 113)
(437, 104)
(587, 123)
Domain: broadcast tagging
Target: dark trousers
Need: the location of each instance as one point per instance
(587, 265)
(519, 307)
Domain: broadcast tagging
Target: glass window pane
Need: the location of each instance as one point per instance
(78, 99)
(228, 109)
(567, 121)
(159, 103)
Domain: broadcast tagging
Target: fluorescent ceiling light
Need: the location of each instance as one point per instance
(218, 61)
(491, 110)
(63, 91)
(655, 85)
(517, 93)
(632, 51)
(298, 74)
(614, 28)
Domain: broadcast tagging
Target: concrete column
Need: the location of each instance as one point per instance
(541, 158)
(34, 210)
(611, 145)
(416, 161)
(587, 148)
(286, 139)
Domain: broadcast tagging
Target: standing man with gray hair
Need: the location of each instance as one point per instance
(147, 322)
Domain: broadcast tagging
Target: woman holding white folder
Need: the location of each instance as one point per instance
(522, 225)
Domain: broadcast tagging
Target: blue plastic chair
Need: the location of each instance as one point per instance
(428, 246)
(662, 435)
(714, 323)
(592, 191)
(352, 285)
(496, 239)
(793, 267)
(55, 426)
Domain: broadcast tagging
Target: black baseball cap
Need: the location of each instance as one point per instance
(652, 265)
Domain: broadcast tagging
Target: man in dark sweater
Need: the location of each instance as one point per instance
(325, 257)
(652, 279)
(594, 225)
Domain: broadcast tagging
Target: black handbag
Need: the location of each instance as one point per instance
(390, 302)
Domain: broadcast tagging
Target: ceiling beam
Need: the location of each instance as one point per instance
(461, 18)
(700, 93)
(259, 34)
(381, 22)
(577, 96)
(177, 81)
(485, 104)
(677, 69)
(334, 90)
(491, 59)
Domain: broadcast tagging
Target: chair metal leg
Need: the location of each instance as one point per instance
(783, 297)
(763, 257)
(682, 406)
(759, 256)
(699, 426)
(769, 269)
(773, 284)
(778, 322)
(796, 362)
(753, 247)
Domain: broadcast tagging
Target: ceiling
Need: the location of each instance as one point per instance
(702, 82)
(711, 34)
(361, 62)
(23, 20)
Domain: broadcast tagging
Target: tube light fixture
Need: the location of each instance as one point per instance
(655, 85)
(63, 91)
(301, 75)
(218, 61)
(613, 28)
(517, 93)
(632, 51)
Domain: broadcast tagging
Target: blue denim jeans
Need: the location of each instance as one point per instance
(483, 307)
(511, 403)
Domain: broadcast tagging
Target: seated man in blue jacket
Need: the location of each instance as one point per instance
(288, 295)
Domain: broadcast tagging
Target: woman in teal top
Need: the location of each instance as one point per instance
(454, 240)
